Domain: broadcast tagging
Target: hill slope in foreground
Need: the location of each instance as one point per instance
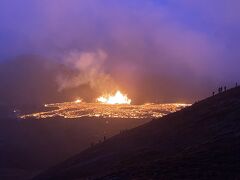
(198, 142)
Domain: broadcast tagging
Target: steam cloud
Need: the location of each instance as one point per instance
(87, 68)
(166, 49)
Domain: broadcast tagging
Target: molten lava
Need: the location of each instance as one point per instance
(78, 101)
(110, 106)
(118, 98)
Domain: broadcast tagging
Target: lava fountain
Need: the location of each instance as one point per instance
(78, 101)
(117, 98)
(117, 105)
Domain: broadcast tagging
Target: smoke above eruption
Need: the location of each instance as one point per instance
(164, 51)
(87, 68)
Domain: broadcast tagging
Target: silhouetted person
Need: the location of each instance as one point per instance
(104, 138)
(213, 93)
(236, 84)
(221, 89)
(225, 88)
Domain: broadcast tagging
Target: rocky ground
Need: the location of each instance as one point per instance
(198, 142)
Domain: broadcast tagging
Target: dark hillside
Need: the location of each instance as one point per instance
(199, 142)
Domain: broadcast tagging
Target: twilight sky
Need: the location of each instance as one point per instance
(164, 50)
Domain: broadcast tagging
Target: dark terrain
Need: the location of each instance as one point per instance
(30, 146)
(198, 142)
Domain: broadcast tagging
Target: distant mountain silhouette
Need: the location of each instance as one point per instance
(198, 142)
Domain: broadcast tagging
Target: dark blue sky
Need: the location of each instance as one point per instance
(169, 38)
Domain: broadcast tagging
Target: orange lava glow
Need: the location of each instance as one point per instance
(73, 110)
(78, 101)
(118, 98)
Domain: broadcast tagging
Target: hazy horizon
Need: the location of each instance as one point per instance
(155, 51)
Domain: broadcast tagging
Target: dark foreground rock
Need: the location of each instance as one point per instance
(198, 142)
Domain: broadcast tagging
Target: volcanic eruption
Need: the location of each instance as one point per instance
(118, 98)
(107, 106)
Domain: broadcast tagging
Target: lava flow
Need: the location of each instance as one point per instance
(116, 106)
